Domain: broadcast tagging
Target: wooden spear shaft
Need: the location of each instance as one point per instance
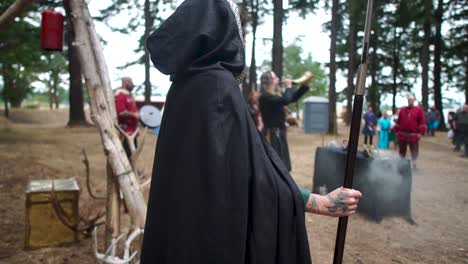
(354, 133)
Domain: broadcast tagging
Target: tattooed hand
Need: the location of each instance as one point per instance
(340, 202)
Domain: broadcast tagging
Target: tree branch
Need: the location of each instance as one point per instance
(13, 11)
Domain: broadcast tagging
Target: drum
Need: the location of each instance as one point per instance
(150, 116)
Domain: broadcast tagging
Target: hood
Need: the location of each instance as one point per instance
(200, 35)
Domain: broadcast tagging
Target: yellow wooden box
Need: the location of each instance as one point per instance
(43, 227)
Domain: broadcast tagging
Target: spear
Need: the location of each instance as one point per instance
(354, 133)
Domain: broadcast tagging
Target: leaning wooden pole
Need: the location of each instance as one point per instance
(354, 133)
(13, 11)
(102, 109)
(101, 65)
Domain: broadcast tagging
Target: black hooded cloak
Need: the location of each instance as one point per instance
(219, 193)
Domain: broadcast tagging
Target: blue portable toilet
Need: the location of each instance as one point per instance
(315, 115)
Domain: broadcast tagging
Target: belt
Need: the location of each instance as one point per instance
(408, 134)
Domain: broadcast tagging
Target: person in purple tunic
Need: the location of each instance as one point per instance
(369, 126)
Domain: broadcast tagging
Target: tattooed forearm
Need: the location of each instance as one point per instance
(314, 203)
(338, 203)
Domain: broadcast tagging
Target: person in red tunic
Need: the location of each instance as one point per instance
(127, 111)
(409, 127)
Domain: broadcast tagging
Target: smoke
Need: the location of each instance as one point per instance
(385, 181)
(385, 175)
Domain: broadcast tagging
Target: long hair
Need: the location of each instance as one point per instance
(266, 82)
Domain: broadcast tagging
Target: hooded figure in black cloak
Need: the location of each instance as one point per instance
(219, 193)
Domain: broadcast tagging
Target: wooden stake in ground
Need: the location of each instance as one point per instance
(113, 210)
(13, 11)
(103, 109)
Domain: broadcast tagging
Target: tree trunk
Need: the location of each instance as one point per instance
(7, 109)
(352, 34)
(332, 127)
(16, 103)
(76, 115)
(466, 82)
(425, 53)
(6, 84)
(252, 82)
(278, 14)
(438, 63)
(51, 94)
(374, 95)
(396, 62)
(253, 63)
(147, 56)
(103, 109)
(56, 90)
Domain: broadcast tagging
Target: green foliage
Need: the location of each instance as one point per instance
(397, 41)
(257, 8)
(304, 6)
(394, 47)
(296, 64)
(23, 65)
(20, 55)
(32, 106)
(397, 54)
(55, 66)
(456, 53)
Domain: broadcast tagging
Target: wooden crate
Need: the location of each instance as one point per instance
(43, 227)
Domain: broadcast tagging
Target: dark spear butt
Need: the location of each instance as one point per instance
(349, 174)
(354, 134)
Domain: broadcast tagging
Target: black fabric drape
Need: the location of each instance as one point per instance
(219, 193)
(278, 139)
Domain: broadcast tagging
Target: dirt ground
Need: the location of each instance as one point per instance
(36, 145)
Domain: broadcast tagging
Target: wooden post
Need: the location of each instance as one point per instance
(112, 209)
(103, 109)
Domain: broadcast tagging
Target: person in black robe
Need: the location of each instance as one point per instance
(272, 107)
(219, 194)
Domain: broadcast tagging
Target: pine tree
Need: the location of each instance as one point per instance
(438, 50)
(425, 52)
(76, 115)
(20, 58)
(277, 51)
(456, 53)
(144, 14)
(332, 123)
